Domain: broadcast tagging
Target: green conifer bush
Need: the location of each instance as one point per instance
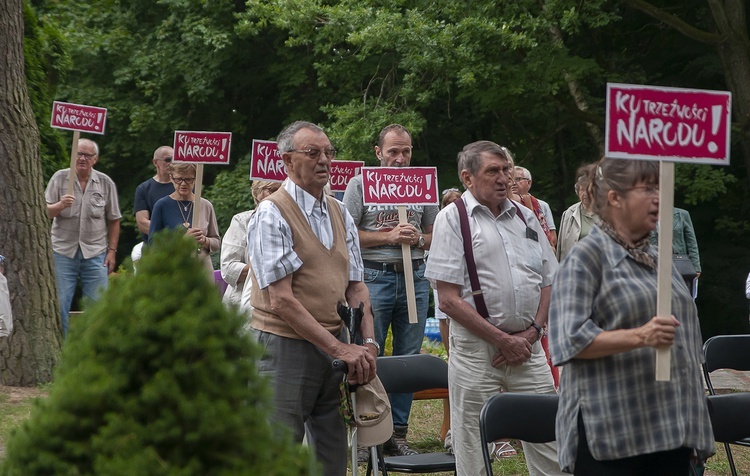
(157, 378)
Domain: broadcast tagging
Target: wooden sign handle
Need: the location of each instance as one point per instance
(196, 205)
(411, 299)
(664, 267)
(72, 176)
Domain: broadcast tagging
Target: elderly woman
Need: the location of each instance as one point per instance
(235, 262)
(177, 210)
(614, 417)
(578, 219)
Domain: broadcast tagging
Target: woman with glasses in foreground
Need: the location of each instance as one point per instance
(177, 210)
(614, 418)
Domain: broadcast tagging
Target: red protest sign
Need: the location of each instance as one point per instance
(342, 171)
(77, 117)
(400, 185)
(266, 162)
(199, 147)
(672, 124)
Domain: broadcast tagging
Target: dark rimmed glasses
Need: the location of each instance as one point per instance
(314, 154)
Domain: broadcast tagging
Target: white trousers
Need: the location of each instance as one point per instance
(472, 380)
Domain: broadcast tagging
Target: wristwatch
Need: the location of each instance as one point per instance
(420, 243)
(372, 341)
(538, 328)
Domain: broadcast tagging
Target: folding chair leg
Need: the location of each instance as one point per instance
(730, 459)
(374, 457)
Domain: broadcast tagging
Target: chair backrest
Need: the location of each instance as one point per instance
(730, 416)
(412, 373)
(525, 416)
(727, 352)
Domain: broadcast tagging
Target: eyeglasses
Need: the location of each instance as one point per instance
(315, 153)
(650, 190)
(449, 190)
(518, 179)
(180, 180)
(166, 159)
(84, 154)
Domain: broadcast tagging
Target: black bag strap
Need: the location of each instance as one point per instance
(476, 290)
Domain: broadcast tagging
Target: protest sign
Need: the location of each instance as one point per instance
(342, 171)
(400, 186)
(266, 162)
(658, 123)
(669, 125)
(77, 117)
(199, 147)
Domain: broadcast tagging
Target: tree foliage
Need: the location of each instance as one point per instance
(528, 74)
(164, 386)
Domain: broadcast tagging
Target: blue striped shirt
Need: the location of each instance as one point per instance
(270, 242)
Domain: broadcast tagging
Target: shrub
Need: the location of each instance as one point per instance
(157, 378)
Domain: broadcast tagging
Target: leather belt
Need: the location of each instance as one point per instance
(391, 267)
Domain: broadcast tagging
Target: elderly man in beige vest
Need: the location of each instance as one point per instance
(305, 257)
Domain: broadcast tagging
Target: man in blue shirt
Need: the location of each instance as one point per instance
(150, 191)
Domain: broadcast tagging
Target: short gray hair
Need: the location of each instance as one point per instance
(524, 171)
(285, 139)
(470, 158)
(96, 146)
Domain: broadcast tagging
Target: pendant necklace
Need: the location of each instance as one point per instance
(189, 209)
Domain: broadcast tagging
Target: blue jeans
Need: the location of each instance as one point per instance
(390, 309)
(93, 276)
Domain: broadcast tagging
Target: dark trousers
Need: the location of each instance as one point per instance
(306, 396)
(664, 463)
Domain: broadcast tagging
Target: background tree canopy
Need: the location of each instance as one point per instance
(530, 75)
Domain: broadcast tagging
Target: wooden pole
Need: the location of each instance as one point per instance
(411, 299)
(664, 267)
(196, 205)
(73, 158)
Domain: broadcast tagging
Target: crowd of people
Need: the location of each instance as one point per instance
(505, 279)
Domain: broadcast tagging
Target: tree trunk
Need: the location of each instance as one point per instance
(29, 354)
(733, 47)
(580, 100)
(734, 51)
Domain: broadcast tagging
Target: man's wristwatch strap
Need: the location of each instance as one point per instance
(538, 329)
(372, 341)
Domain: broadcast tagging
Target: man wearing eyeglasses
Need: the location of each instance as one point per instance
(150, 191)
(85, 228)
(381, 236)
(305, 259)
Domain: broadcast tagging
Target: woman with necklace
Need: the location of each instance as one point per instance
(614, 418)
(177, 209)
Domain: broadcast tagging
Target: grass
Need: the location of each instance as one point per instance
(424, 429)
(15, 407)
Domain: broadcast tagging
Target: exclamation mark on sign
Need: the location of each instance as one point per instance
(98, 120)
(223, 148)
(428, 195)
(716, 114)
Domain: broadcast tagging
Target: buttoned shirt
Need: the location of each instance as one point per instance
(512, 267)
(600, 287)
(234, 256)
(270, 238)
(84, 224)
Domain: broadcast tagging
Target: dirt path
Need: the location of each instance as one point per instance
(18, 394)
